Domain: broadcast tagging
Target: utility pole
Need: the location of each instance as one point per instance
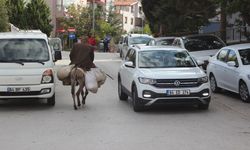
(93, 19)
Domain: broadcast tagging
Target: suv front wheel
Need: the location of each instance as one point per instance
(123, 96)
(135, 100)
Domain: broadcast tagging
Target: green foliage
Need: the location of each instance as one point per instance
(3, 17)
(79, 18)
(38, 16)
(17, 14)
(173, 16)
(147, 30)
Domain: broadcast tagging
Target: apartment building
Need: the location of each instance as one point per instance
(131, 13)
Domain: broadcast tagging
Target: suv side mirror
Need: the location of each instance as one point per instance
(129, 64)
(199, 62)
(231, 64)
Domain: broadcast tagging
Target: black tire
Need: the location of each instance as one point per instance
(136, 106)
(244, 93)
(51, 101)
(122, 96)
(213, 84)
(120, 53)
(203, 106)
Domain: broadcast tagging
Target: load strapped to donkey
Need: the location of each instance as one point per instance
(93, 79)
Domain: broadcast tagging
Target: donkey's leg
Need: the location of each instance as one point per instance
(79, 92)
(84, 98)
(73, 92)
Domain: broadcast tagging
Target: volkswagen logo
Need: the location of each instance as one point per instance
(177, 83)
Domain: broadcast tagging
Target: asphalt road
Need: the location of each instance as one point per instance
(105, 123)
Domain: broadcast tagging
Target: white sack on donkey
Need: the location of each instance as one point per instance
(100, 76)
(94, 79)
(91, 82)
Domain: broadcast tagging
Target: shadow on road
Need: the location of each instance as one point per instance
(24, 104)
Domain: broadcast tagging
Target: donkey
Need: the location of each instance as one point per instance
(77, 77)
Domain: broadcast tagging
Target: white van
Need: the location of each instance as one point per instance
(27, 66)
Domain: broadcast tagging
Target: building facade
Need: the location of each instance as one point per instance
(131, 13)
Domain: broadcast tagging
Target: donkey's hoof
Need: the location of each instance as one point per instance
(75, 107)
(83, 102)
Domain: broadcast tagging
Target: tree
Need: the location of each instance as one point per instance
(79, 18)
(38, 16)
(243, 7)
(16, 12)
(3, 17)
(176, 16)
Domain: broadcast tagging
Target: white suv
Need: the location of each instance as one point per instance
(133, 39)
(162, 75)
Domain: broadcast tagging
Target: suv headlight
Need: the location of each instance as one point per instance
(203, 79)
(47, 76)
(147, 81)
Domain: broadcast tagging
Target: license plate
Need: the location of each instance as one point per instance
(178, 92)
(18, 89)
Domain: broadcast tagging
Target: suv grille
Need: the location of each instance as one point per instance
(176, 83)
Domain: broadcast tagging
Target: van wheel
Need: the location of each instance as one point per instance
(244, 93)
(120, 53)
(51, 101)
(213, 84)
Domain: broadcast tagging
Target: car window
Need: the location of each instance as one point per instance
(139, 40)
(245, 56)
(222, 56)
(131, 56)
(164, 59)
(165, 42)
(232, 57)
(200, 43)
(26, 50)
(152, 42)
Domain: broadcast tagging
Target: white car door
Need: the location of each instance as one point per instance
(232, 73)
(128, 71)
(220, 66)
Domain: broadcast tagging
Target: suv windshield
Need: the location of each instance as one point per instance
(139, 40)
(165, 59)
(200, 43)
(245, 56)
(24, 50)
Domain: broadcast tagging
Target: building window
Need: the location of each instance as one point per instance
(140, 10)
(132, 9)
(132, 21)
(126, 19)
(59, 5)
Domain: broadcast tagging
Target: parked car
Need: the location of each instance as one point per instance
(121, 42)
(201, 46)
(26, 66)
(154, 75)
(134, 39)
(161, 41)
(230, 69)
